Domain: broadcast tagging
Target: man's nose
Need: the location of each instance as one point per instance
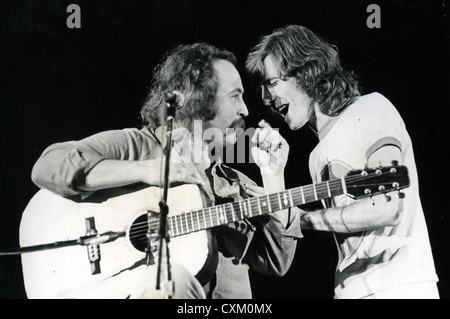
(267, 94)
(243, 110)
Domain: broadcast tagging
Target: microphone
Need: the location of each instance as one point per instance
(174, 99)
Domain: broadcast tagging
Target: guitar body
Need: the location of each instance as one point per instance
(67, 272)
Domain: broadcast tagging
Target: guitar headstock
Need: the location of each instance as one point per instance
(374, 181)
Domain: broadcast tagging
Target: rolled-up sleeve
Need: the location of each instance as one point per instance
(62, 167)
(273, 247)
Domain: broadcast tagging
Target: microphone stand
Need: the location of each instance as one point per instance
(171, 103)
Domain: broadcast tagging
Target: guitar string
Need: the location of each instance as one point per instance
(307, 190)
(252, 203)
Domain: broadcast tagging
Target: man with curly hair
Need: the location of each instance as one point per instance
(383, 245)
(211, 89)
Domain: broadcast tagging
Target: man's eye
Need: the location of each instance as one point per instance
(272, 83)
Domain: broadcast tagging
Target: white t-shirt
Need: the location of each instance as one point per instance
(372, 261)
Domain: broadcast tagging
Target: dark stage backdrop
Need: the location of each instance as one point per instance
(61, 84)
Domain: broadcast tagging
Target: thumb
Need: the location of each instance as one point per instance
(264, 124)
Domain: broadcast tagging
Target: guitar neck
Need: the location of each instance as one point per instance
(218, 215)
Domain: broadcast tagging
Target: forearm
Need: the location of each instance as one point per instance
(116, 173)
(359, 216)
(274, 183)
(76, 167)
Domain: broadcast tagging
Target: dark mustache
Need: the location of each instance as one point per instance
(239, 123)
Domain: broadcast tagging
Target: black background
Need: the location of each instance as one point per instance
(61, 84)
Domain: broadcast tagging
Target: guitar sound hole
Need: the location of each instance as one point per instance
(139, 230)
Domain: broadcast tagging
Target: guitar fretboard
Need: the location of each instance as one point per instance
(254, 206)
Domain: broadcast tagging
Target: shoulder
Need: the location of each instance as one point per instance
(372, 103)
(371, 108)
(142, 132)
(139, 135)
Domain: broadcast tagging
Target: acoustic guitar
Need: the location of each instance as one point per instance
(69, 246)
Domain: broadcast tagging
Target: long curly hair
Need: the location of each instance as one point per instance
(300, 53)
(189, 70)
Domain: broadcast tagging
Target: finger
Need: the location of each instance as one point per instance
(254, 188)
(261, 141)
(264, 124)
(253, 194)
(255, 136)
(275, 139)
(278, 141)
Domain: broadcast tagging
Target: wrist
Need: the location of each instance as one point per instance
(312, 220)
(273, 182)
(150, 172)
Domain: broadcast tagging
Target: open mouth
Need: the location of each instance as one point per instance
(282, 109)
(279, 107)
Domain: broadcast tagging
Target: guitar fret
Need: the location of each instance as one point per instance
(328, 188)
(344, 187)
(335, 188)
(268, 203)
(182, 225)
(279, 201)
(176, 222)
(290, 198)
(250, 207)
(171, 224)
(174, 228)
(192, 222)
(198, 221)
(204, 219)
(233, 213)
(255, 206)
(315, 192)
(210, 217)
(187, 223)
(240, 209)
(259, 206)
(303, 195)
(218, 216)
(223, 213)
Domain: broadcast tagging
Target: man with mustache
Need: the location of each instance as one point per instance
(383, 245)
(210, 90)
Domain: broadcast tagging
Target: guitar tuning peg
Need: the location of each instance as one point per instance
(386, 198)
(400, 195)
